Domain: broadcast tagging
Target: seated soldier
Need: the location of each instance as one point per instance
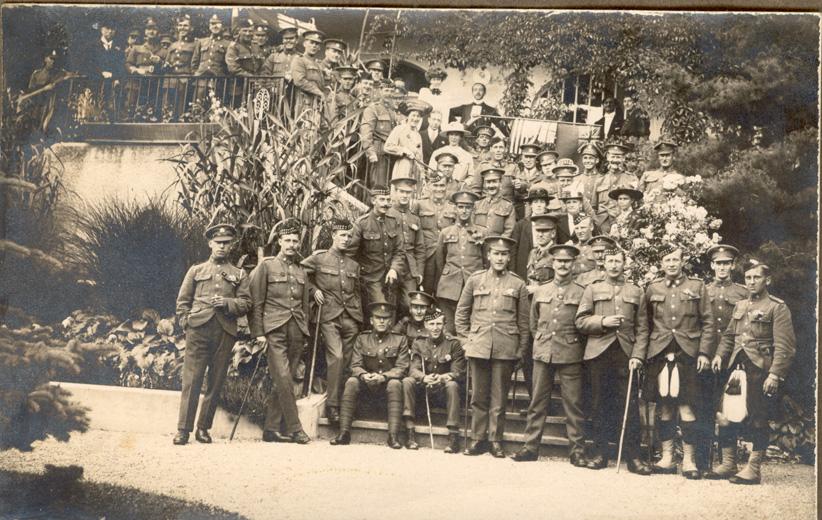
(378, 364)
(413, 325)
(437, 367)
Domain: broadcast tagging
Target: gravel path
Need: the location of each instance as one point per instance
(320, 481)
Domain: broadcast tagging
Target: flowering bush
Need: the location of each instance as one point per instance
(671, 215)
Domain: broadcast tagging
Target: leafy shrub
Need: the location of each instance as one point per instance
(135, 254)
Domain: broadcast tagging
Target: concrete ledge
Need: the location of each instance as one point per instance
(140, 410)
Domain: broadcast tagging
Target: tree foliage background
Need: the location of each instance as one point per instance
(739, 91)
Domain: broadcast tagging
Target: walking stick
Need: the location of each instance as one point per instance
(712, 449)
(427, 405)
(247, 391)
(314, 351)
(650, 429)
(467, 401)
(625, 417)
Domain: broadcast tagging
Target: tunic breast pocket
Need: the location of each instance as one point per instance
(428, 219)
(602, 300)
(544, 305)
(330, 271)
(392, 352)
(632, 300)
(481, 298)
(690, 304)
(657, 301)
(762, 328)
(509, 301)
(373, 241)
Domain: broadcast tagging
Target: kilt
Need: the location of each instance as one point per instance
(688, 377)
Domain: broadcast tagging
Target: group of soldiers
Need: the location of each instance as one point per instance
(439, 291)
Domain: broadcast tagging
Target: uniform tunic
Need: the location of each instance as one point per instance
(376, 123)
(179, 57)
(209, 57)
(210, 334)
(434, 217)
(241, 60)
(376, 245)
(338, 277)
(496, 214)
(761, 338)
(307, 75)
(443, 356)
(278, 64)
(723, 296)
(557, 350)
(540, 267)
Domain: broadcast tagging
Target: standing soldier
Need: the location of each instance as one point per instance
(538, 200)
(379, 363)
(759, 341)
(539, 268)
(209, 58)
(278, 63)
(307, 73)
(335, 279)
(132, 41)
(240, 57)
(492, 323)
(377, 70)
(413, 325)
(613, 314)
(279, 320)
(558, 348)
(378, 119)
(344, 99)
(335, 51)
(213, 295)
(144, 60)
(724, 295)
(681, 346)
(446, 163)
(591, 175)
(657, 179)
(438, 367)
(436, 213)
(596, 272)
(411, 240)
(546, 159)
(527, 173)
(376, 245)
(458, 256)
(482, 144)
(260, 44)
(178, 62)
(493, 211)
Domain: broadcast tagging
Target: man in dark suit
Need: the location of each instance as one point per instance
(104, 59)
(611, 120)
(432, 137)
(471, 114)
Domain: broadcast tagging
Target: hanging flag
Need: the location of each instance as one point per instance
(530, 131)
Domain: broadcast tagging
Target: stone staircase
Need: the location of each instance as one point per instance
(370, 425)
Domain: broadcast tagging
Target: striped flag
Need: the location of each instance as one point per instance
(531, 131)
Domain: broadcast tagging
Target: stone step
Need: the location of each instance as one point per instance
(374, 432)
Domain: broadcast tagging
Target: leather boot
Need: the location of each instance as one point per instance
(393, 441)
(525, 455)
(728, 467)
(497, 450)
(453, 443)
(202, 436)
(333, 415)
(411, 443)
(689, 469)
(344, 438)
(181, 437)
(751, 474)
(477, 448)
(666, 464)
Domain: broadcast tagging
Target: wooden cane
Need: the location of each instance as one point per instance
(427, 405)
(314, 352)
(247, 391)
(467, 400)
(625, 416)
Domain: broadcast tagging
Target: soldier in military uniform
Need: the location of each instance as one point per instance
(526, 174)
(278, 63)
(681, 346)
(344, 100)
(379, 363)
(335, 280)
(178, 62)
(208, 59)
(546, 159)
(595, 272)
(213, 295)
(279, 320)
(667, 172)
(144, 60)
(492, 323)
(538, 200)
(436, 212)
(437, 367)
(539, 268)
(483, 134)
(493, 211)
(591, 156)
(446, 163)
(334, 55)
(558, 348)
(413, 325)
(377, 70)
(605, 207)
(132, 41)
(240, 58)
(378, 119)
(759, 340)
(458, 256)
(306, 71)
(613, 314)
(260, 43)
(376, 245)
(724, 295)
(411, 240)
